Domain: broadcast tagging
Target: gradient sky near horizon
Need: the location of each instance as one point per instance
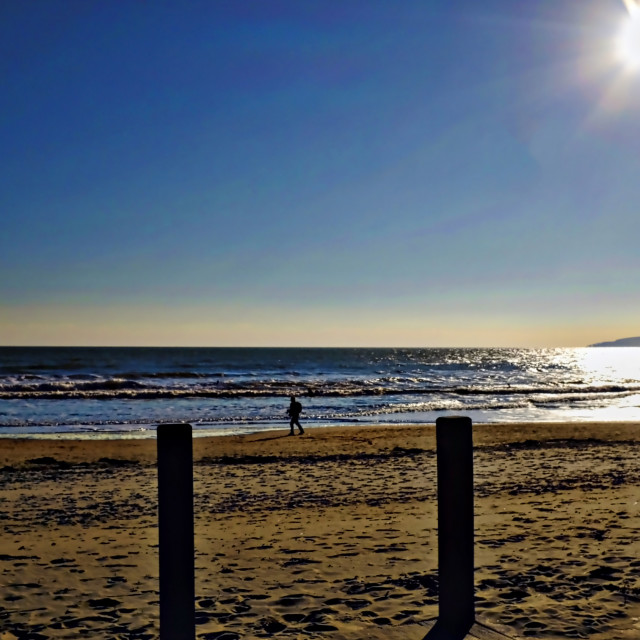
(318, 173)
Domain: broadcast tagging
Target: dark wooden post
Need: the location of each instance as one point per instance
(175, 525)
(456, 613)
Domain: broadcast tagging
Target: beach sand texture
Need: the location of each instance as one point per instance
(327, 535)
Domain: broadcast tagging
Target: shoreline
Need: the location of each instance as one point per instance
(18, 450)
(331, 534)
(317, 440)
(200, 430)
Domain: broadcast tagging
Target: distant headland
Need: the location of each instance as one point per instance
(623, 342)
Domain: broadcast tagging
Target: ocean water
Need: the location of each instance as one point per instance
(108, 391)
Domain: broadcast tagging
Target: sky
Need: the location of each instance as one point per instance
(319, 173)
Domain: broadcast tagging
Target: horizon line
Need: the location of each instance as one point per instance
(178, 346)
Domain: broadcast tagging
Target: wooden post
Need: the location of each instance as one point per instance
(456, 611)
(456, 614)
(175, 525)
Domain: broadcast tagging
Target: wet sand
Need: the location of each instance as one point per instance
(327, 535)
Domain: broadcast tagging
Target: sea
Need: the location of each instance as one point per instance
(100, 392)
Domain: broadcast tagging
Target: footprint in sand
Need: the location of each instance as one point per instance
(104, 603)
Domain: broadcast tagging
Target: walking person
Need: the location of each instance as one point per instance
(295, 408)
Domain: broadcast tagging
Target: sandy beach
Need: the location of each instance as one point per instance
(327, 535)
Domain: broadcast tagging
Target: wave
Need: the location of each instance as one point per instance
(69, 386)
(123, 388)
(383, 412)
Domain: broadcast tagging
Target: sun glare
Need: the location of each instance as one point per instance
(629, 38)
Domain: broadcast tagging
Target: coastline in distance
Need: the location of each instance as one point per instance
(622, 342)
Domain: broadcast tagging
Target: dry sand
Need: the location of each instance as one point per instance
(327, 535)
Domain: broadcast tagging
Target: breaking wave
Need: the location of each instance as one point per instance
(113, 388)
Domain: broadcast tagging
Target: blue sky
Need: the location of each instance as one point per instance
(318, 173)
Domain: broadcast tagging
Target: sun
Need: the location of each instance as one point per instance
(628, 43)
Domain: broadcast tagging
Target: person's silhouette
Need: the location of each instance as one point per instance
(295, 408)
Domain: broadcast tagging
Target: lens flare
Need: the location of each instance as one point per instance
(628, 43)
